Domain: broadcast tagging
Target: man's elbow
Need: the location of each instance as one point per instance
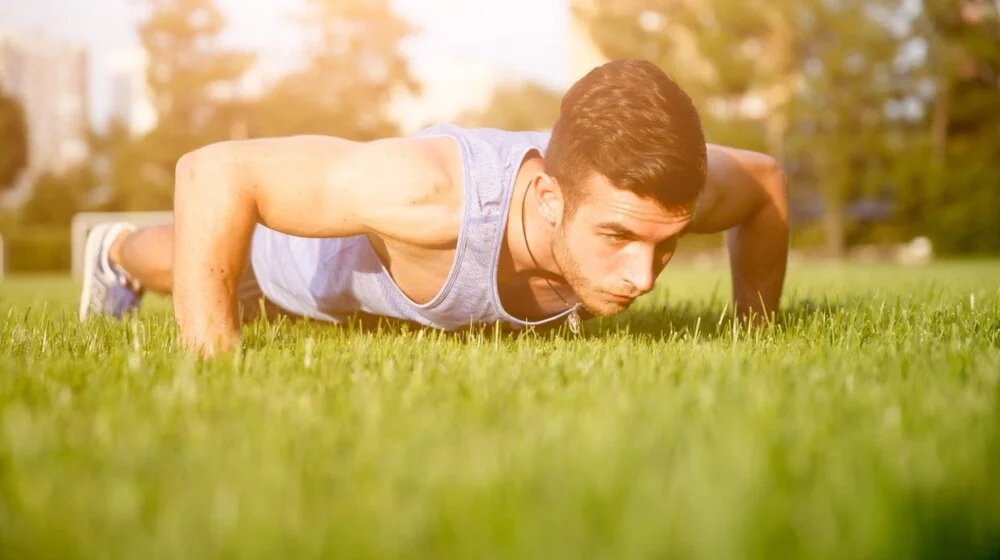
(209, 165)
(770, 208)
(184, 170)
(775, 182)
(209, 155)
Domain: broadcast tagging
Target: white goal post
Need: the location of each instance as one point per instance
(84, 221)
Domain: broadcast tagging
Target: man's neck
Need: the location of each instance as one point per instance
(530, 283)
(528, 236)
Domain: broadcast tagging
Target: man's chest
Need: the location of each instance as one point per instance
(419, 272)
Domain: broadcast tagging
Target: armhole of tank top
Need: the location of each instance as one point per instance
(460, 241)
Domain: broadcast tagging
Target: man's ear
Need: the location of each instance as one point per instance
(551, 200)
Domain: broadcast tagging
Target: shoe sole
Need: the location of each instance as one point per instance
(95, 238)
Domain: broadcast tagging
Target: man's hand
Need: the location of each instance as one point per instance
(746, 194)
(308, 186)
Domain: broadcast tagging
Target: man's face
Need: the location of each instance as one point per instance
(614, 245)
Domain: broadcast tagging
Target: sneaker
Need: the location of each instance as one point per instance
(107, 289)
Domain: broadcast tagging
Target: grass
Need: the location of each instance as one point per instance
(866, 424)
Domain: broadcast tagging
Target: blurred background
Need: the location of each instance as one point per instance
(885, 113)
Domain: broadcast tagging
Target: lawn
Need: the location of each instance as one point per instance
(865, 424)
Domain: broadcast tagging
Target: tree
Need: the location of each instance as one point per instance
(189, 78)
(820, 72)
(14, 138)
(346, 86)
(517, 106)
(56, 198)
(955, 203)
(185, 65)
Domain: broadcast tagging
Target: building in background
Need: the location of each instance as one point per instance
(131, 100)
(49, 79)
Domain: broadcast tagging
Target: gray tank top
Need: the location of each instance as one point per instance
(330, 278)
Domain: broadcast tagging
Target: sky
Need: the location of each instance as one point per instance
(459, 43)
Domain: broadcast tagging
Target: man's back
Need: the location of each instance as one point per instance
(445, 287)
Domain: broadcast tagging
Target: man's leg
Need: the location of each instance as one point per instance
(147, 256)
(120, 263)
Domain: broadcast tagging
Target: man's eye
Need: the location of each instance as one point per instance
(615, 236)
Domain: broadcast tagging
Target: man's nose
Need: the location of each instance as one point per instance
(641, 275)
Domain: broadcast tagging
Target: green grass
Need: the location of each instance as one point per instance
(866, 424)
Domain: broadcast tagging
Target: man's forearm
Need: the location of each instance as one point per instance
(213, 222)
(758, 253)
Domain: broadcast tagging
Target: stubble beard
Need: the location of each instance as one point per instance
(586, 292)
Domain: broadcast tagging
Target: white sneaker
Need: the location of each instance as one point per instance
(107, 289)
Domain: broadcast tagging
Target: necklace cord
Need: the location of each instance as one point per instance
(574, 318)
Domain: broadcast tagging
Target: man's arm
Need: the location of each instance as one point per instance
(309, 186)
(746, 194)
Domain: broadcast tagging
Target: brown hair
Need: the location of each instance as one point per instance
(630, 122)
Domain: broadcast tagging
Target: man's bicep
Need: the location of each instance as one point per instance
(322, 186)
(736, 186)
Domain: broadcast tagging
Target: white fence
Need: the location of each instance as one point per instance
(84, 221)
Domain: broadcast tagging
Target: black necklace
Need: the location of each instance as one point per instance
(573, 318)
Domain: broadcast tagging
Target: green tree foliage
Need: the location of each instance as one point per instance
(56, 198)
(822, 70)
(517, 106)
(13, 138)
(37, 233)
(185, 64)
(957, 197)
(192, 82)
(345, 87)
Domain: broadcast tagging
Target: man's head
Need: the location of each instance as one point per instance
(625, 164)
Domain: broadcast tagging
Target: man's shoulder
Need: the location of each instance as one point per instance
(485, 134)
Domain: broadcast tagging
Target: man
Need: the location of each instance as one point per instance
(452, 226)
